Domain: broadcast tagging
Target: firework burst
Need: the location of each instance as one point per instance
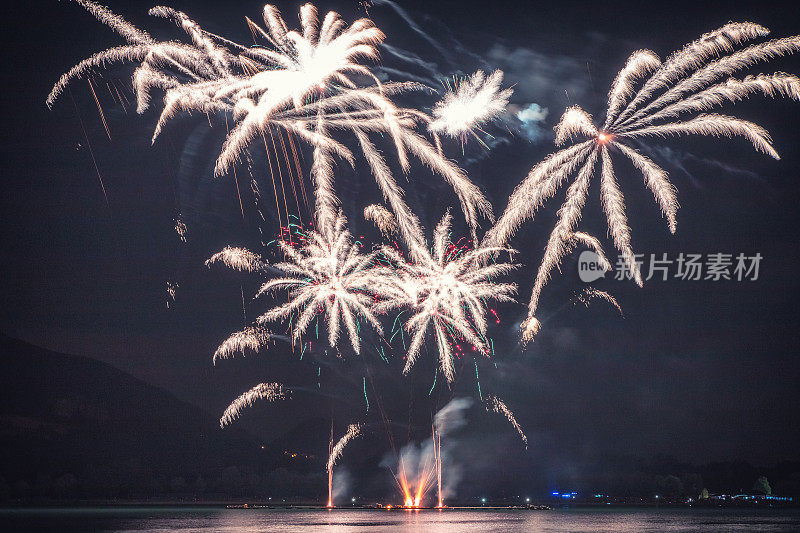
(469, 104)
(306, 83)
(687, 82)
(327, 275)
(446, 290)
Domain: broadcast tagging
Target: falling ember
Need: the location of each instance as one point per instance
(180, 229)
(172, 288)
(249, 339)
(493, 403)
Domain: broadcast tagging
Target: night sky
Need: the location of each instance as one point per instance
(698, 370)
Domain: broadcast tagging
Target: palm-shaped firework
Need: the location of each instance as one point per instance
(447, 290)
(687, 82)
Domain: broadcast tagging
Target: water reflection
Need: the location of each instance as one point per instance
(208, 520)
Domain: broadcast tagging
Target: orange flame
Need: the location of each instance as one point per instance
(414, 494)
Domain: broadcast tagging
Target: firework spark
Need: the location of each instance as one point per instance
(472, 103)
(239, 259)
(172, 289)
(262, 391)
(249, 339)
(493, 403)
(685, 83)
(447, 290)
(588, 294)
(382, 218)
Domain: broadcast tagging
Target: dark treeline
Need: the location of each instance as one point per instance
(305, 481)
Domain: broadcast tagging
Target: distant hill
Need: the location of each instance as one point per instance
(72, 426)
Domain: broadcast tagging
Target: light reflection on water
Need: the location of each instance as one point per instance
(208, 520)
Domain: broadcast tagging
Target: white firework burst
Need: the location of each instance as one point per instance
(471, 103)
(327, 275)
(306, 82)
(445, 290)
(236, 258)
(687, 82)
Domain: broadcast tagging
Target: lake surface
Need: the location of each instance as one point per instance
(215, 519)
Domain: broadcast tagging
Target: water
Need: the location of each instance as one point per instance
(215, 519)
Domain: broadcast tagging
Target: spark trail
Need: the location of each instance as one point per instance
(353, 431)
(262, 391)
(493, 403)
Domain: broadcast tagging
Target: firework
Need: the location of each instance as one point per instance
(353, 431)
(239, 259)
(180, 229)
(470, 104)
(299, 84)
(262, 391)
(417, 471)
(493, 403)
(314, 84)
(330, 275)
(588, 294)
(446, 290)
(250, 338)
(172, 289)
(686, 83)
(382, 218)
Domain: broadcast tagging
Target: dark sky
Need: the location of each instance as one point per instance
(699, 370)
